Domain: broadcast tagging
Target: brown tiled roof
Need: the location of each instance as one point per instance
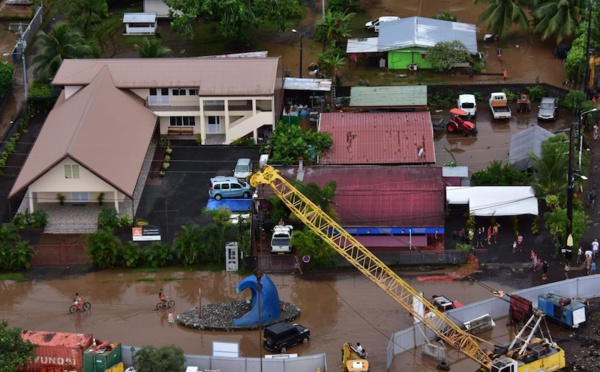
(378, 138)
(213, 76)
(102, 128)
(382, 196)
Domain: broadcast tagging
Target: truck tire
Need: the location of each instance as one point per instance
(450, 128)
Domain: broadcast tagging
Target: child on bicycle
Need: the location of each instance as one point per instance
(78, 301)
(161, 296)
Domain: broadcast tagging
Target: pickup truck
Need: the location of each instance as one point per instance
(280, 241)
(499, 106)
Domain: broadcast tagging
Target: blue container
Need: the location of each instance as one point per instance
(562, 309)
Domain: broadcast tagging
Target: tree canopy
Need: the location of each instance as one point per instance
(497, 174)
(165, 359)
(501, 15)
(152, 48)
(83, 13)
(289, 142)
(15, 351)
(235, 17)
(445, 54)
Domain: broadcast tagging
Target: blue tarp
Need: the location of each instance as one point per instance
(234, 205)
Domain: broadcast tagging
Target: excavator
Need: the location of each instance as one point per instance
(524, 354)
(352, 361)
(594, 61)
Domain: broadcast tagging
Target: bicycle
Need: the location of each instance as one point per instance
(85, 306)
(166, 304)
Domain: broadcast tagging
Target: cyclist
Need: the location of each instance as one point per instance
(78, 301)
(162, 297)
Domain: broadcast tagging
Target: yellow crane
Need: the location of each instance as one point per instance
(523, 355)
(594, 61)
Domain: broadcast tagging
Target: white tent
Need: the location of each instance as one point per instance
(486, 201)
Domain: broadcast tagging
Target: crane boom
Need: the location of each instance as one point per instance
(366, 262)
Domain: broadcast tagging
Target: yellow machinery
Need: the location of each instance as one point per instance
(594, 61)
(351, 361)
(525, 355)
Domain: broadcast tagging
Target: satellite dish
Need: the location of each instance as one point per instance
(420, 152)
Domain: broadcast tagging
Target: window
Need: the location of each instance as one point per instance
(153, 91)
(193, 92)
(225, 186)
(179, 92)
(164, 91)
(183, 121)
(71, 171)
(80, 196)
(214, 120)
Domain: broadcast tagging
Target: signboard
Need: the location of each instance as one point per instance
(226, 349)
(145, 233)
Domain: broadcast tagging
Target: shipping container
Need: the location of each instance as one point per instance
(99, 359)
(57, 351)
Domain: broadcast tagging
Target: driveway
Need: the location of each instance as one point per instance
(183, 193)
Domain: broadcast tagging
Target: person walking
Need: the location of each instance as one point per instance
(505, 74)
(495, 232)
(296, 266)
(480, 237)
(580, 256)
(593, 268)
(592, 198)
(544, 270)
(567, 269)
(489, 235)
(595, 247)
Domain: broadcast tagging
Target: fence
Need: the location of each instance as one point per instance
(307, 363)
(59, 255)
(410, 338)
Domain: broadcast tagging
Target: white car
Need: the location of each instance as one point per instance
(467, 103)
(374, 24)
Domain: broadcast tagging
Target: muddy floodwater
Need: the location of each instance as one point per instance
(337, 308)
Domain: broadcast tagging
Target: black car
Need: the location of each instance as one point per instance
(279, 337)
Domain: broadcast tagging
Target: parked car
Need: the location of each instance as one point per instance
(228, 187)
(243, 169)
(374, 24)
(467, 103)
(281, 336)
(548, 108)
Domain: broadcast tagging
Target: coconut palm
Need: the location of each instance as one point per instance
(63, 42)
(187, 245)
(557, 18)
(550, 169)
(500, 16)
(152, 48)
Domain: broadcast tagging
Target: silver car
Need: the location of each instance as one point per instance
(548, 108)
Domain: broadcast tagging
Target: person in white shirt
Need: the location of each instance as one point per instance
(359, 348)
(595, 245)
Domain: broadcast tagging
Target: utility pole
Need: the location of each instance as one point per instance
(586, 76)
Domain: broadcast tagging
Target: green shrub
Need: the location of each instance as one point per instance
(108, 218)
(42, 95)
(38, 219)
(132, 254)
(244, 141)
(125, 221)
(536, 93)
(104, 248)
(157, 254)
(6, 77)
(510, 96)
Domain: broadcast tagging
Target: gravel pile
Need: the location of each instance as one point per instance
(219, 317)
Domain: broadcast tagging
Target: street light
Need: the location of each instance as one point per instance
(580, 132)
(301, 37)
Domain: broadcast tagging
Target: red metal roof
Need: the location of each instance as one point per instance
(378, 138)
(382, 196)
(58, 339)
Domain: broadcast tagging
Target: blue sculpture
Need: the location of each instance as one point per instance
(263, 290)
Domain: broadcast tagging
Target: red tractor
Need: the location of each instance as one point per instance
(459, 124)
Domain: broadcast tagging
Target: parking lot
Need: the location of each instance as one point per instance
(183, 192)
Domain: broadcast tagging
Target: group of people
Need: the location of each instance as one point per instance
(477, 237)
(362, 352)
(589, 257)
(538, 264)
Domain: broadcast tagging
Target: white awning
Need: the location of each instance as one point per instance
(495, 200)
(139, 18)
(323, 85)
(362, 45)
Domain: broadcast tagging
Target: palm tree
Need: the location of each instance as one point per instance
(500, 16)
(187, 245)
(550, 168)
(556, 18)
(63, 42)
(152, 48)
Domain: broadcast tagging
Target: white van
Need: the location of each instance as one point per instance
(280, 240)
(467, 103)
(243, 169)
(374, 24)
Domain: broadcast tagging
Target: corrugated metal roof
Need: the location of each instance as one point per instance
(102, 128)
(425, 32)
(389, 96)
(522, 143)
(213, 76)
(58, 339)
(363, 45)
(382, 196)
(378, 138)
(323, 85)
(139, 17)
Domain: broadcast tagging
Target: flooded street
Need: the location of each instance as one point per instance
(337, 308)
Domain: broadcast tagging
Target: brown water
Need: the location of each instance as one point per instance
(337, 309)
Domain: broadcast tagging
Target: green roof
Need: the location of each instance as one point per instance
(389, 96)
